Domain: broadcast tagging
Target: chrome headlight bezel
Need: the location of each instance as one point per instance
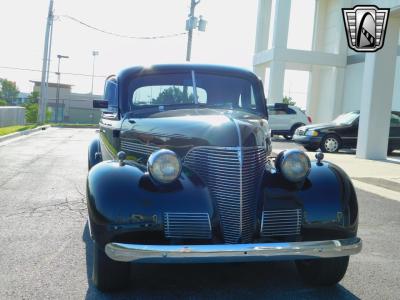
(293, 164)
(155, 167)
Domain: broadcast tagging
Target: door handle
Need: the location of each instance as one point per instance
(131, 120)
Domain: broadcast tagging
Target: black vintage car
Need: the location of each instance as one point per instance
(181, 173)
(342, 133)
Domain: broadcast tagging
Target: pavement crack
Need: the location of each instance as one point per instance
(69, 206)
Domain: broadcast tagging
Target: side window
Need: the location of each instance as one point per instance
(395, 120)
(110, 93)
(271, 111)
(281, 111)
(290, 111)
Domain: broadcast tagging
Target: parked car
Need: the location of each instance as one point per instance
(180, 173)
(342, 133)
(284, 119)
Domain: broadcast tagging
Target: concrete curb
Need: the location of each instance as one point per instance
(73, 127)
(21, 133)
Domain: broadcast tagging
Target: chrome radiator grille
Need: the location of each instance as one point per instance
(187, 225)
(281, 222)
(137, 147)
(232, 176)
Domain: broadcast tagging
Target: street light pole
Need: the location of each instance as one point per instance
(94, 53)
(58, 86)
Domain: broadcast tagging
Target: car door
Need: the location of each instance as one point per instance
(394, 132)
(348, 134)
(280, 118)
(272, 118)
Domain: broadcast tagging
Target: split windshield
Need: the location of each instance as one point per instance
(170, 91)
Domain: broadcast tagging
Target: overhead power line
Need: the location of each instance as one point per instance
(63, 73)
(154, 37)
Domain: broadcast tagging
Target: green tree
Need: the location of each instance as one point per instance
(288, 100)
(173, 95)
(34, 97)
(31, 112)
(9, 90)
(3, 102)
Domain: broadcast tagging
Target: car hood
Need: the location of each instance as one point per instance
(320, 126)
(180, 130)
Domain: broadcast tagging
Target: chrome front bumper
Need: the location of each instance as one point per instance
(232, 252)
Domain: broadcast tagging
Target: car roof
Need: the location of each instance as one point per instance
(282, 105)
(140, 70)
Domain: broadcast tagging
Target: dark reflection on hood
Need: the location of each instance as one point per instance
(183, 129)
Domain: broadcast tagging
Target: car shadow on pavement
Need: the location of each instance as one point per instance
(216, 281)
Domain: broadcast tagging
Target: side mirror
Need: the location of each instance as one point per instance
(100, 104)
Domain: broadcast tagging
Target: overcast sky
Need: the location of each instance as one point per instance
(229, 38)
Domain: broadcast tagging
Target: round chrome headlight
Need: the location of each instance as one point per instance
(293, 164)
(164, 166)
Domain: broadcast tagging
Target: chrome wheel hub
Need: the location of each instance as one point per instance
(331, 144)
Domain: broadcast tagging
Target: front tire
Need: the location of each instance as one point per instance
(109, 275)
(330, 143)
(292, 130)
(310, 148)
(324, 271)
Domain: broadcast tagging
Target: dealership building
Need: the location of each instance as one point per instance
(340, 79)
(68, 107)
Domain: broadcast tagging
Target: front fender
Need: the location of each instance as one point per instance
(94, 153)
(123, 197)
(327, 199)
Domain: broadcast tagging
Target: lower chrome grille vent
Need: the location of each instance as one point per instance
(187, 225)
(281, 222)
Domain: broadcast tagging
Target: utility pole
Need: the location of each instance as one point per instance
(192, 23)
(189, 27)
(45, 66)
(58, 88)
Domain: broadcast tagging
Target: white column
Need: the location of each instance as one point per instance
(281, 23)
(337, 94)
(376, 97)
(276, 81)
(279, 42)
(262, 34)
(260, 71)
(313, 94)
(263, 20)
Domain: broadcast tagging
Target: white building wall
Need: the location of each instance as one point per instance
(396, 89)
(325, 93)
(329, 29)
(330, 92)
(352, 87)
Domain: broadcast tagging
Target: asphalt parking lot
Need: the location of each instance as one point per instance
(46, 252)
